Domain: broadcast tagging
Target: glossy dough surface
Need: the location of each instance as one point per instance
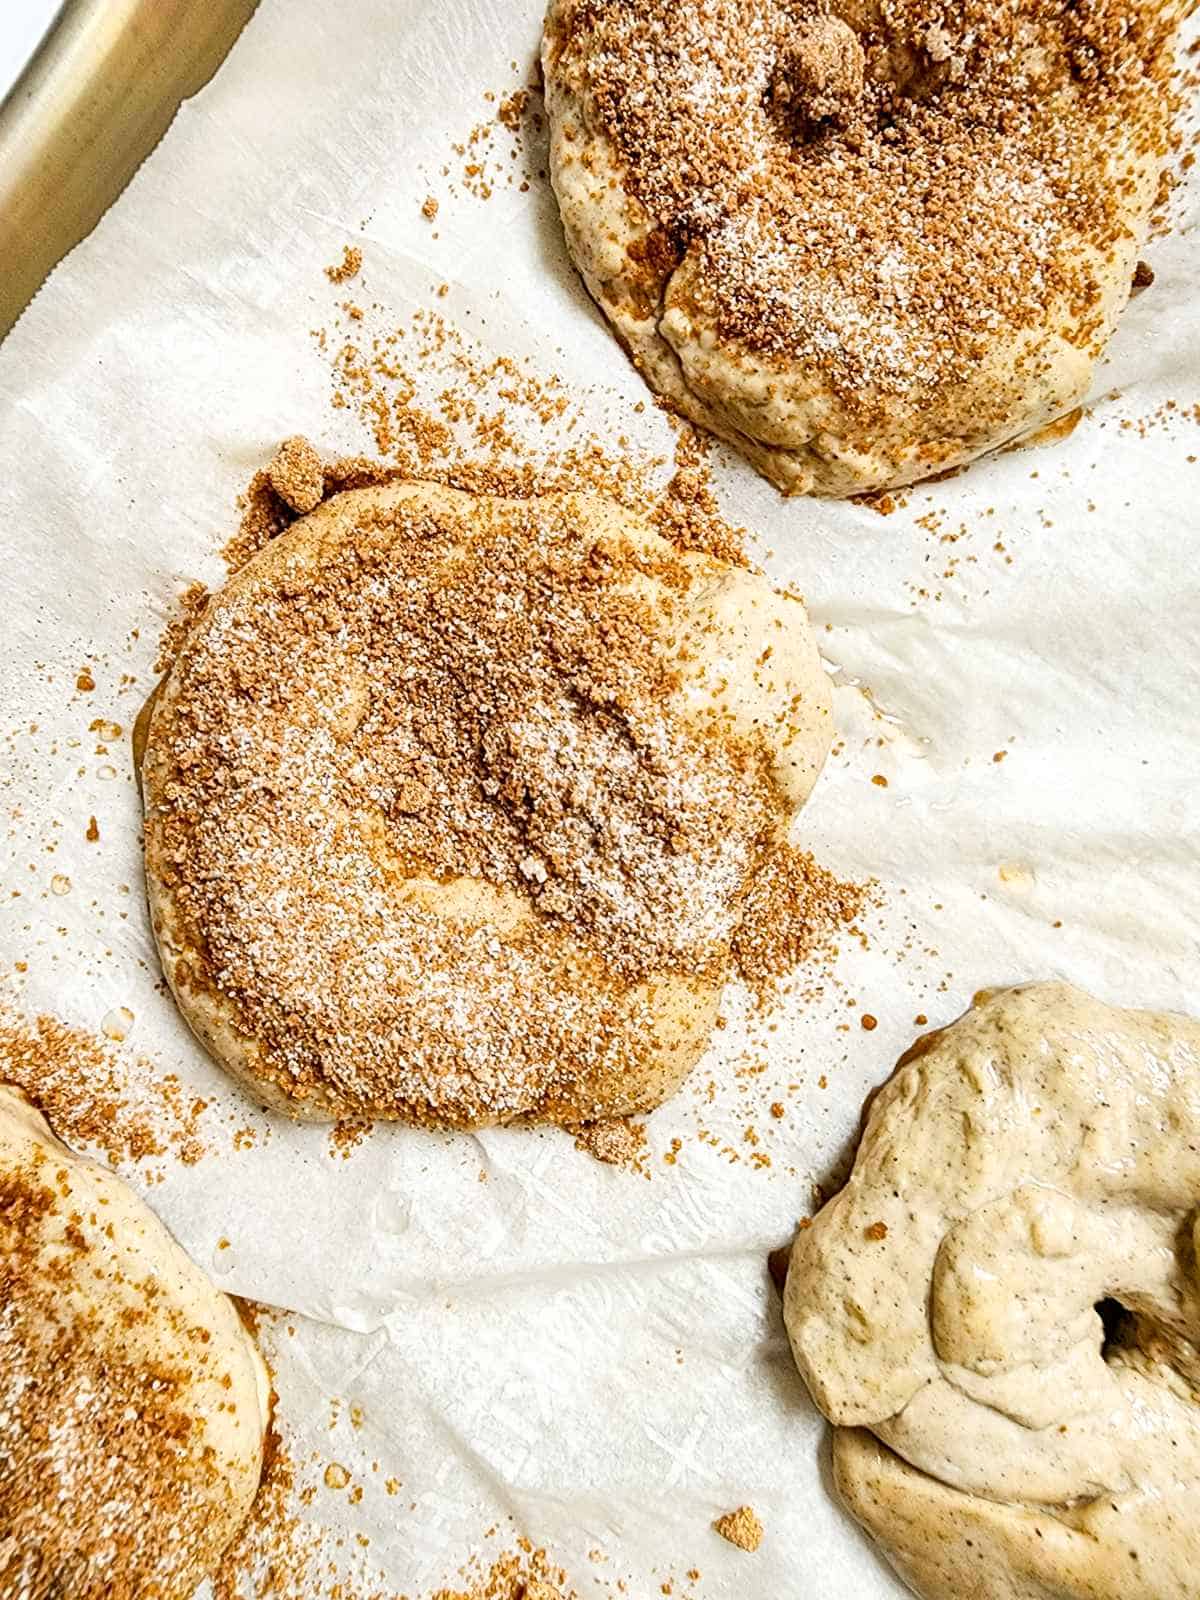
(863, 242)
(451, 801)
(133, 1403)
(1005, 1295)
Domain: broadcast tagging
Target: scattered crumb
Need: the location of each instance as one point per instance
(740, 1527)
(297, 475)
(347, 267)
(189, 606)
(619, 1143)
(94, 1095)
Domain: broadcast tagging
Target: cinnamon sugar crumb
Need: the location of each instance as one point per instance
(297, 475)
(619, 1143)
(94, 1095)
(792, 911)
(190, 605)
(741, 1528)
(348, 267)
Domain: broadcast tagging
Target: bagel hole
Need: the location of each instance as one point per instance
(1118, 1324)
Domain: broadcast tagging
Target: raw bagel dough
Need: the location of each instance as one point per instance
(1032, 1163)
(133, 1403)
(609, 737)
(864, 246)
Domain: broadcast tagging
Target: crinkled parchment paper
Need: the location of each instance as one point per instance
(526, 1332)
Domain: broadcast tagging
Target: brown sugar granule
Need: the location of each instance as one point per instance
(1143, 275)
(877, 1232)
(345, 1137)
(85, 683)
(297, 475)
(348, 267)
(619, 1143)
(92, 833)
(687, 512)
(868, 1022)
(430, 208)
(741, 1527)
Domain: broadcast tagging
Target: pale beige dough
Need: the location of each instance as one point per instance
(461, 953)
(905, 405)
(1034, 1160)
(99, 1303)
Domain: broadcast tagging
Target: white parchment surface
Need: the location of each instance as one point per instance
(527, 1333)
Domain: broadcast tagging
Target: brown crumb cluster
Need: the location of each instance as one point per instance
(348, 267)
(437, 407)
(620, 1143)
(843, 187)
(188, 607)
(521, 1574)
(741, 1527)
(297, 475)
(504, 151)
(490, 706)
(93, 1095)
(285, 1552)
(793, 910)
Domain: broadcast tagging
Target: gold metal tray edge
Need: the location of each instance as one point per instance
(86, 112)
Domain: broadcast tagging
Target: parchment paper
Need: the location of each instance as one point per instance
(529, 1333)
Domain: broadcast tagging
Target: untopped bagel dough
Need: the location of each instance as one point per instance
(133, 1403)
(863, 242)
(451, 801)
(1000, 1312)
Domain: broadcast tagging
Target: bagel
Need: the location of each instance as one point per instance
(1000, 1312)
(133, 1403)
(451, 802)
(863, 242)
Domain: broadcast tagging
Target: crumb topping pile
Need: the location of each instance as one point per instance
(438, 698)
(106, 1485)
(876, 188)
